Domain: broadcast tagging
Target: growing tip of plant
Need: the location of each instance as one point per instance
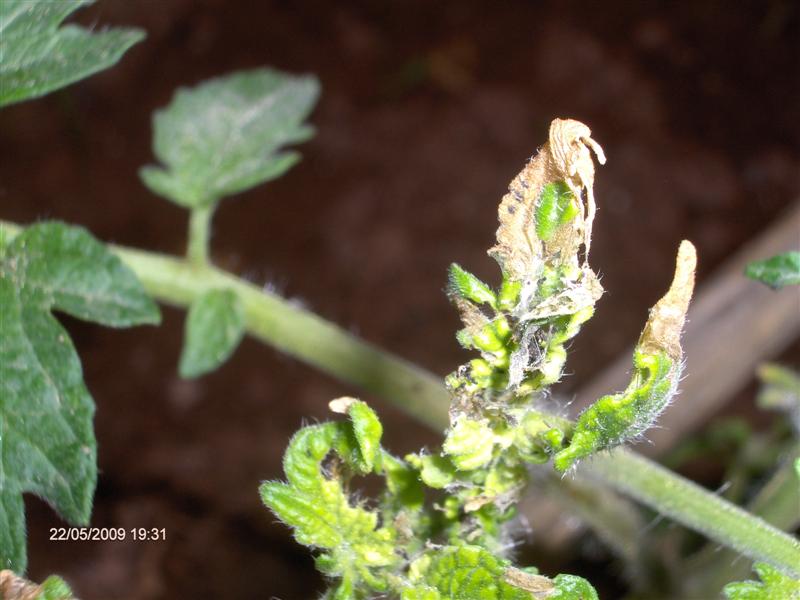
(667, 317)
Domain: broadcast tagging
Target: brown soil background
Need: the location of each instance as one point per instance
(428, 110)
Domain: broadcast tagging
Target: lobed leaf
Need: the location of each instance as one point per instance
(214, 328)
(226, 135)
(47, 444)
(40, 56)
(318, 509)
(778, 271)
(473, 573)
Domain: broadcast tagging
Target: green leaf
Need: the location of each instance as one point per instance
(556, 207)
(469, 444)
(467, 286)
(317, 507)
(436, 471)
(38, 56)
(776, 272)
(54, 588)
(404, 488)
(47, 444)
(571, 587)
(774, 585)
(473, 573)
(214, 328)
(464, 573)
(225, 135)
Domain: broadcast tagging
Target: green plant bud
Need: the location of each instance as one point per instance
(528, 438)
(486, 339)
(550, 283)
(556, 207)
(502, 328)
(464, 284)
(505, 478)
(554, 437)
(480, 368)
(553, 365)
(469, 444)
(573, 325)
(452, 507)
(500, 361)
(508, 297)
(464, 338)
(437, 471)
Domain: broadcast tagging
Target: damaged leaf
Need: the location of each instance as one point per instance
(565, 161)
(613, 419)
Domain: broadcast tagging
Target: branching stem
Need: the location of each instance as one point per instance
(308, 337)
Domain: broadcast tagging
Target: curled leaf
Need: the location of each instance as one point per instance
(564, 161)
(315, 504)
(613, 419)
(662, 333)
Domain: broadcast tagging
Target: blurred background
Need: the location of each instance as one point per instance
(428, 110)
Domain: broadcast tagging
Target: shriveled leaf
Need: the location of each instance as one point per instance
(47, 444)
(214, 328)
(226, 135)
(38, 55)
(776, 272)
(774, 585)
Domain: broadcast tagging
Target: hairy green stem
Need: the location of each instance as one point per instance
(199, 234)
(778, 503)
(422, 395)
(696, 508)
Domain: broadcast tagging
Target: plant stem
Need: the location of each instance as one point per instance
(696, 508)
(418, 393)
(778, 503)
(294, 331)
(199, 234)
